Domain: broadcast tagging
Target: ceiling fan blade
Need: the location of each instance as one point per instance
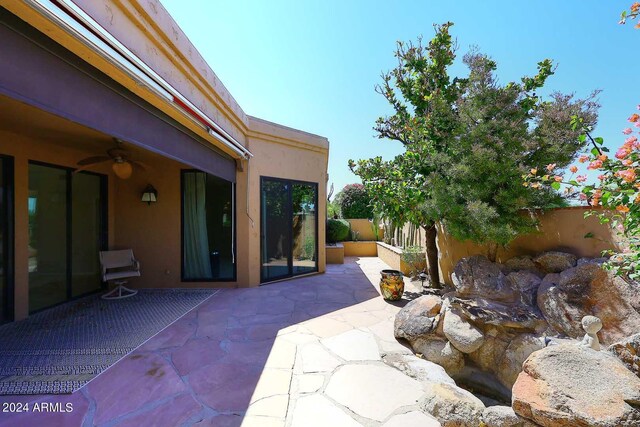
(138, 165)
(92, 160)
(118, 152)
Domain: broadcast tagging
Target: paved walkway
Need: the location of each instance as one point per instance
(301, 353)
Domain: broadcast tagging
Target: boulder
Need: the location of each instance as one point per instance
(565, 385)
(493, 348)
(483, 312)
(628, 351)
(476, 276)
(461, 333)
(526, 283)
(416, 319)
(576, 280)
(418, 368)
(586, 260)
(502, 416)
(565, 299)
(440, 351)
(555, 261)
(563, 316)
(522, 263)
(509, 366)
(452, 405)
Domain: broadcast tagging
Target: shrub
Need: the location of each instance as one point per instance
(354, 202)
(333, 210)
(337, 230)
(414, 256)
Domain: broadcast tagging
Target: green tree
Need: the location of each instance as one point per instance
(354, 202)
(467, 143)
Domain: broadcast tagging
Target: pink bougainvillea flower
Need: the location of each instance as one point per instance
(627, 162)
(601, 177)
(583, 196)
(628, 175)
(596, 164)
(627, 131)
(581, 178)
(631, 140)
(634, 117)
(637, 124)
(622, 152)
(557, 178)
(622, 208)
(583, 158)
(573, 169)
(595, 202)
(603, 157)
(551, 167)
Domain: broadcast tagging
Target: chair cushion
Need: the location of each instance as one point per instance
(121, 274)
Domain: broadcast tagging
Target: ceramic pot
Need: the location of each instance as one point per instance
(391, 284)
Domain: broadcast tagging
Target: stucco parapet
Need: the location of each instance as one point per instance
(274, 132)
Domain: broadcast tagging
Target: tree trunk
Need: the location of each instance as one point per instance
(493, 251)
(432, 254)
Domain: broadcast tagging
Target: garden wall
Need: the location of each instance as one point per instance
(364, 229)
(562, 229)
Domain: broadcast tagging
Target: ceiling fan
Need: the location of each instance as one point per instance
(123, 164)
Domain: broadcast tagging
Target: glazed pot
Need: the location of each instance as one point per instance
(391, 284)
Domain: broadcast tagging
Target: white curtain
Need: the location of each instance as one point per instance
(197, 264)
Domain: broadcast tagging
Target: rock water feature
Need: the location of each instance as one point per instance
(519, 344)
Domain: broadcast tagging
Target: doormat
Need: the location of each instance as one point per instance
(59, 350)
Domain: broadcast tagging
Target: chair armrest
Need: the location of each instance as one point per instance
(136, 265)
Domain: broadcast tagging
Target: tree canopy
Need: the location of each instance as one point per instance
(468, 140)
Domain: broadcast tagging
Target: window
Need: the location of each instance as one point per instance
(208, 246)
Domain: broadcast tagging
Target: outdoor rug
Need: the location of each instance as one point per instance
(59, 350)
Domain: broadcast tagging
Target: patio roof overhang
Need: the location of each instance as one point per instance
(39, 72)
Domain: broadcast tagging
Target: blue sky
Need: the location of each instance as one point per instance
(313, 65)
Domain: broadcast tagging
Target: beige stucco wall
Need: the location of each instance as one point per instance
(360, 249)
(562, 229)
(364, 228)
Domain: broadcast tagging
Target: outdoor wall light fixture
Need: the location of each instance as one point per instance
(150, 195)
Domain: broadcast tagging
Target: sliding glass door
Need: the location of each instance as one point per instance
(208, 235)
(6, 239)
(289, 228)
(67, 227)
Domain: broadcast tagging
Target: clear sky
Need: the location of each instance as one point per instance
(313, 65)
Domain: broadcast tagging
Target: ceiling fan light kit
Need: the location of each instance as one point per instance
(122, 169)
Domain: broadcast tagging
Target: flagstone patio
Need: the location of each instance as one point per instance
(304, 352)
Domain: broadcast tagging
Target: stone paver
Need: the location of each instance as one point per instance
(413, 418)
(304, 352)
(353, 345)
(373, 391)
(317, 411)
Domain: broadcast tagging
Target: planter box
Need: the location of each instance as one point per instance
(335, 254)
(361, 249)
(392, 256)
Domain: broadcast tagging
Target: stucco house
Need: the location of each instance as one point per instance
(105, 106)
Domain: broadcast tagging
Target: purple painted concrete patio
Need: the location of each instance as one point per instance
(232, 360)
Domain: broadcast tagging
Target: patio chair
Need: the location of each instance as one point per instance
(116, 267)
